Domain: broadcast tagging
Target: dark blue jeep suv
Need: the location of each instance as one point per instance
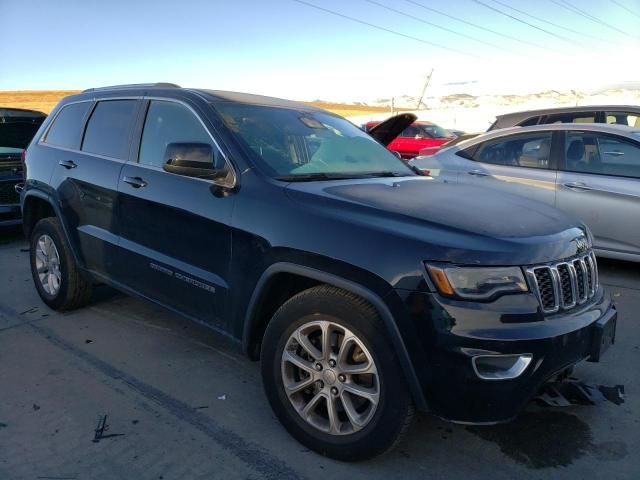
(364, 288)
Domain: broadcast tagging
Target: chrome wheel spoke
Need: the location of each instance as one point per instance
(334, 421)
(326, 340)
(306, 344)
(309, 407)
(357, 421)
(298, 362)
(367, 393)
(297, 386)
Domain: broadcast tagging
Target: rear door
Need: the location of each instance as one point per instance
(176, 235)
(599, 182)
(521, 164)
(86, 174)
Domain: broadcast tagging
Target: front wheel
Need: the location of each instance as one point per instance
(331, 376)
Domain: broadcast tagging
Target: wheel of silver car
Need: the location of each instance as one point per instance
(330, 377)
(48, 265)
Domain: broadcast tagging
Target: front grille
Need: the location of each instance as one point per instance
(564, 285)
(8, 195)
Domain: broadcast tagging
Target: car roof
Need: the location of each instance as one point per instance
(584, 108)
(171, 90)
(623, 130)
(10, 112)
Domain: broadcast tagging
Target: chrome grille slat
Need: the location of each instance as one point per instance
(563, 285)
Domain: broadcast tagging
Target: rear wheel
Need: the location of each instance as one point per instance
(55, 273)
(331, 376)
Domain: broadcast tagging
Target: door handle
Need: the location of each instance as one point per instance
(577, 186)
(68, 164)
(135, 182)
(615, 153)
(479, 173)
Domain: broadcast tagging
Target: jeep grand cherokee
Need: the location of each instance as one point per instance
(364, 289)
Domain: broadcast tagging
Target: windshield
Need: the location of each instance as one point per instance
(433, 131)
(293, 143)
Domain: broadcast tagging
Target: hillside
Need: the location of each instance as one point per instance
(45, 100)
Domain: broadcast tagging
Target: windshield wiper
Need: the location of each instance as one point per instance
(307, 177)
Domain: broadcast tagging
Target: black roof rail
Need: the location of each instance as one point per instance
(133, 85)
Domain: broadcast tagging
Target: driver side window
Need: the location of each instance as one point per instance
(171, 122)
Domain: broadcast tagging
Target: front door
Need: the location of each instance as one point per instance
(176, 233)
(521, 164)
(599, 183)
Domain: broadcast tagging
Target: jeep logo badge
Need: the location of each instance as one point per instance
(582, 245)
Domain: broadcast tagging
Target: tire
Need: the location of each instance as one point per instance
(364, 424)
(64, 287)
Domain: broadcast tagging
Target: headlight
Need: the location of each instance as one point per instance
(477, 283)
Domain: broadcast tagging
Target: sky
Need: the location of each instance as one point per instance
(290, 49)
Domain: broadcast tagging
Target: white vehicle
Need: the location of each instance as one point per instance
(589, 170)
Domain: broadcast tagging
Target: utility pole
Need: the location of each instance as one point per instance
(393, 101)
(424, 89)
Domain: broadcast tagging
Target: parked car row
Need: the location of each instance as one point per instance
(365, 289)
(591, 171)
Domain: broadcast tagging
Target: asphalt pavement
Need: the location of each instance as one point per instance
(182, 403)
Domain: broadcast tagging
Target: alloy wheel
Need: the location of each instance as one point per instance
(330, 377)
(48, 265)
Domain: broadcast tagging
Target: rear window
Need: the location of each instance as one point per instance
(66, 129)
(108, 128)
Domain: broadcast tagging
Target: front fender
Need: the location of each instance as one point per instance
(389, 319)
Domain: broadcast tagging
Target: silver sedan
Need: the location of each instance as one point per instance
(589, 170)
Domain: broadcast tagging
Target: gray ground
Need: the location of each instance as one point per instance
(181, 403)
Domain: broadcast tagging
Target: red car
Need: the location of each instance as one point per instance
(415, 137)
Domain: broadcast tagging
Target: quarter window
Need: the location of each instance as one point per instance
(601, 154)
(531, 150)
(109, 127)
(623, 118)
(170, 122)
(66, 129)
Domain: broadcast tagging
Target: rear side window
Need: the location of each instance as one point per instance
(529, 150)
(170, 122)
(108, 128)
(66, 129)
(623, 118)
(601, 154)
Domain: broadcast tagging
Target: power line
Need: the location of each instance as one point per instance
(501, 12)
(384, 29)
(587, 15)
(632, 12)
(461, 20)
(435, 25)
(562, 27)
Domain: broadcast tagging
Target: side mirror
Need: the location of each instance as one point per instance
(191, 160)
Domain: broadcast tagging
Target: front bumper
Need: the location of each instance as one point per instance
(452, 333)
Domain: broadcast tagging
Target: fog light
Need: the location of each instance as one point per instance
(500, 367)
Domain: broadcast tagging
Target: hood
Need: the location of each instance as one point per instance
(454, 219)
(387, 131)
